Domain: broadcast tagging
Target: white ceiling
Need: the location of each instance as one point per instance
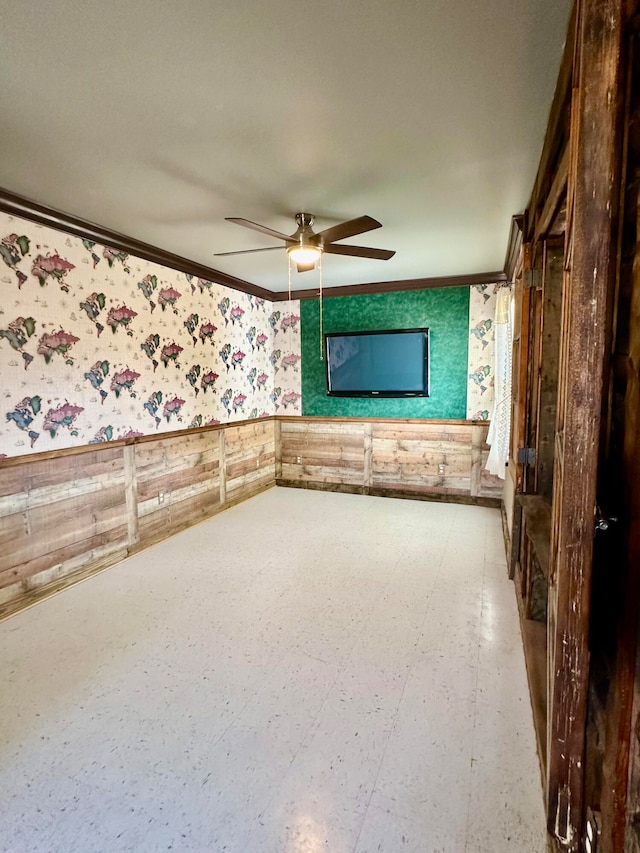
(158, 119)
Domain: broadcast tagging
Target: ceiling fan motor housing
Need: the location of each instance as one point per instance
(303, 219)
(305, 235)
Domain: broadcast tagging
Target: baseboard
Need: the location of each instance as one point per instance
(506, 535)
(406, 494)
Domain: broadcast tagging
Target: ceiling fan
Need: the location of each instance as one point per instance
(305, 247)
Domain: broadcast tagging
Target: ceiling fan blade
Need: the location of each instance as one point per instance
(359, 252)
(348, 229)
(247, 251)
(261, 228)
(305, 267)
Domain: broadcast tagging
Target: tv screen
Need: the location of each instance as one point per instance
(378, 364)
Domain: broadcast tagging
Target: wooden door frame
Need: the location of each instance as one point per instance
(621, 767)
(590, 263)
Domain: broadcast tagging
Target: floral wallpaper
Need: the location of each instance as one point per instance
(482, 310)
(97, 345)
(286, 358)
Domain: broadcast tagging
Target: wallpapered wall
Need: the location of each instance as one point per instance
(96, 345)
(461, 341)
(482, 311)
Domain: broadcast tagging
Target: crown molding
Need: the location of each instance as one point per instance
(395, 286)
(17, 205)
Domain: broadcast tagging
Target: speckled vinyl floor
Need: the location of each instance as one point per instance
(305, 672)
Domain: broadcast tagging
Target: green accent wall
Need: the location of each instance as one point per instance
(444, 311)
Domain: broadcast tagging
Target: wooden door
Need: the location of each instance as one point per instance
(613, 745)
(534, 429)
(589, 282)
(628, 729)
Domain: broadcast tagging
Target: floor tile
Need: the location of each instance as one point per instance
(505, 815)
(385, 832)
(309, 822)
(349, 677)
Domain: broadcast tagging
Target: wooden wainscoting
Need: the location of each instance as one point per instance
(58, 515)
(250, 459)
(66, 515)
(435, 460)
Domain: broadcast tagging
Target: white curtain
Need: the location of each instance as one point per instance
(499, 429)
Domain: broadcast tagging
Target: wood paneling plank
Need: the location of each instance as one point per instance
(477, 441)
(131, 495)
(223, 466)
(115, 538)
(64, 527)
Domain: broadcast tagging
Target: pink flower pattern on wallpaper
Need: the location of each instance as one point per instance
(181, 352)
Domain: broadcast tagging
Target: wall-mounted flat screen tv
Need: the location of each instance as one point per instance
(392, 363)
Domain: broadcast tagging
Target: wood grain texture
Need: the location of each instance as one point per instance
(323, 451)
(477, 441)
(74, 505)
(534, 640)
(131, 495)
(368, 455)
(590, 264)
(621, 766)
(177, 480)
(520, 363)
(64, 517)
(514, 247)
(57, 577)
(250, 459)
(278, 447)
(436, 497)
(548, 374)
(378, 455)
(555, 198)
(223, 473)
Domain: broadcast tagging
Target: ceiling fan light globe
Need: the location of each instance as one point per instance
(304, 254)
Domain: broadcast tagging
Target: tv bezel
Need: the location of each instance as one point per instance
(382, 393)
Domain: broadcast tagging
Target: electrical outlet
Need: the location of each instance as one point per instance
(298, 459)
(160, 497)
(441, 468)
(257, 463)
